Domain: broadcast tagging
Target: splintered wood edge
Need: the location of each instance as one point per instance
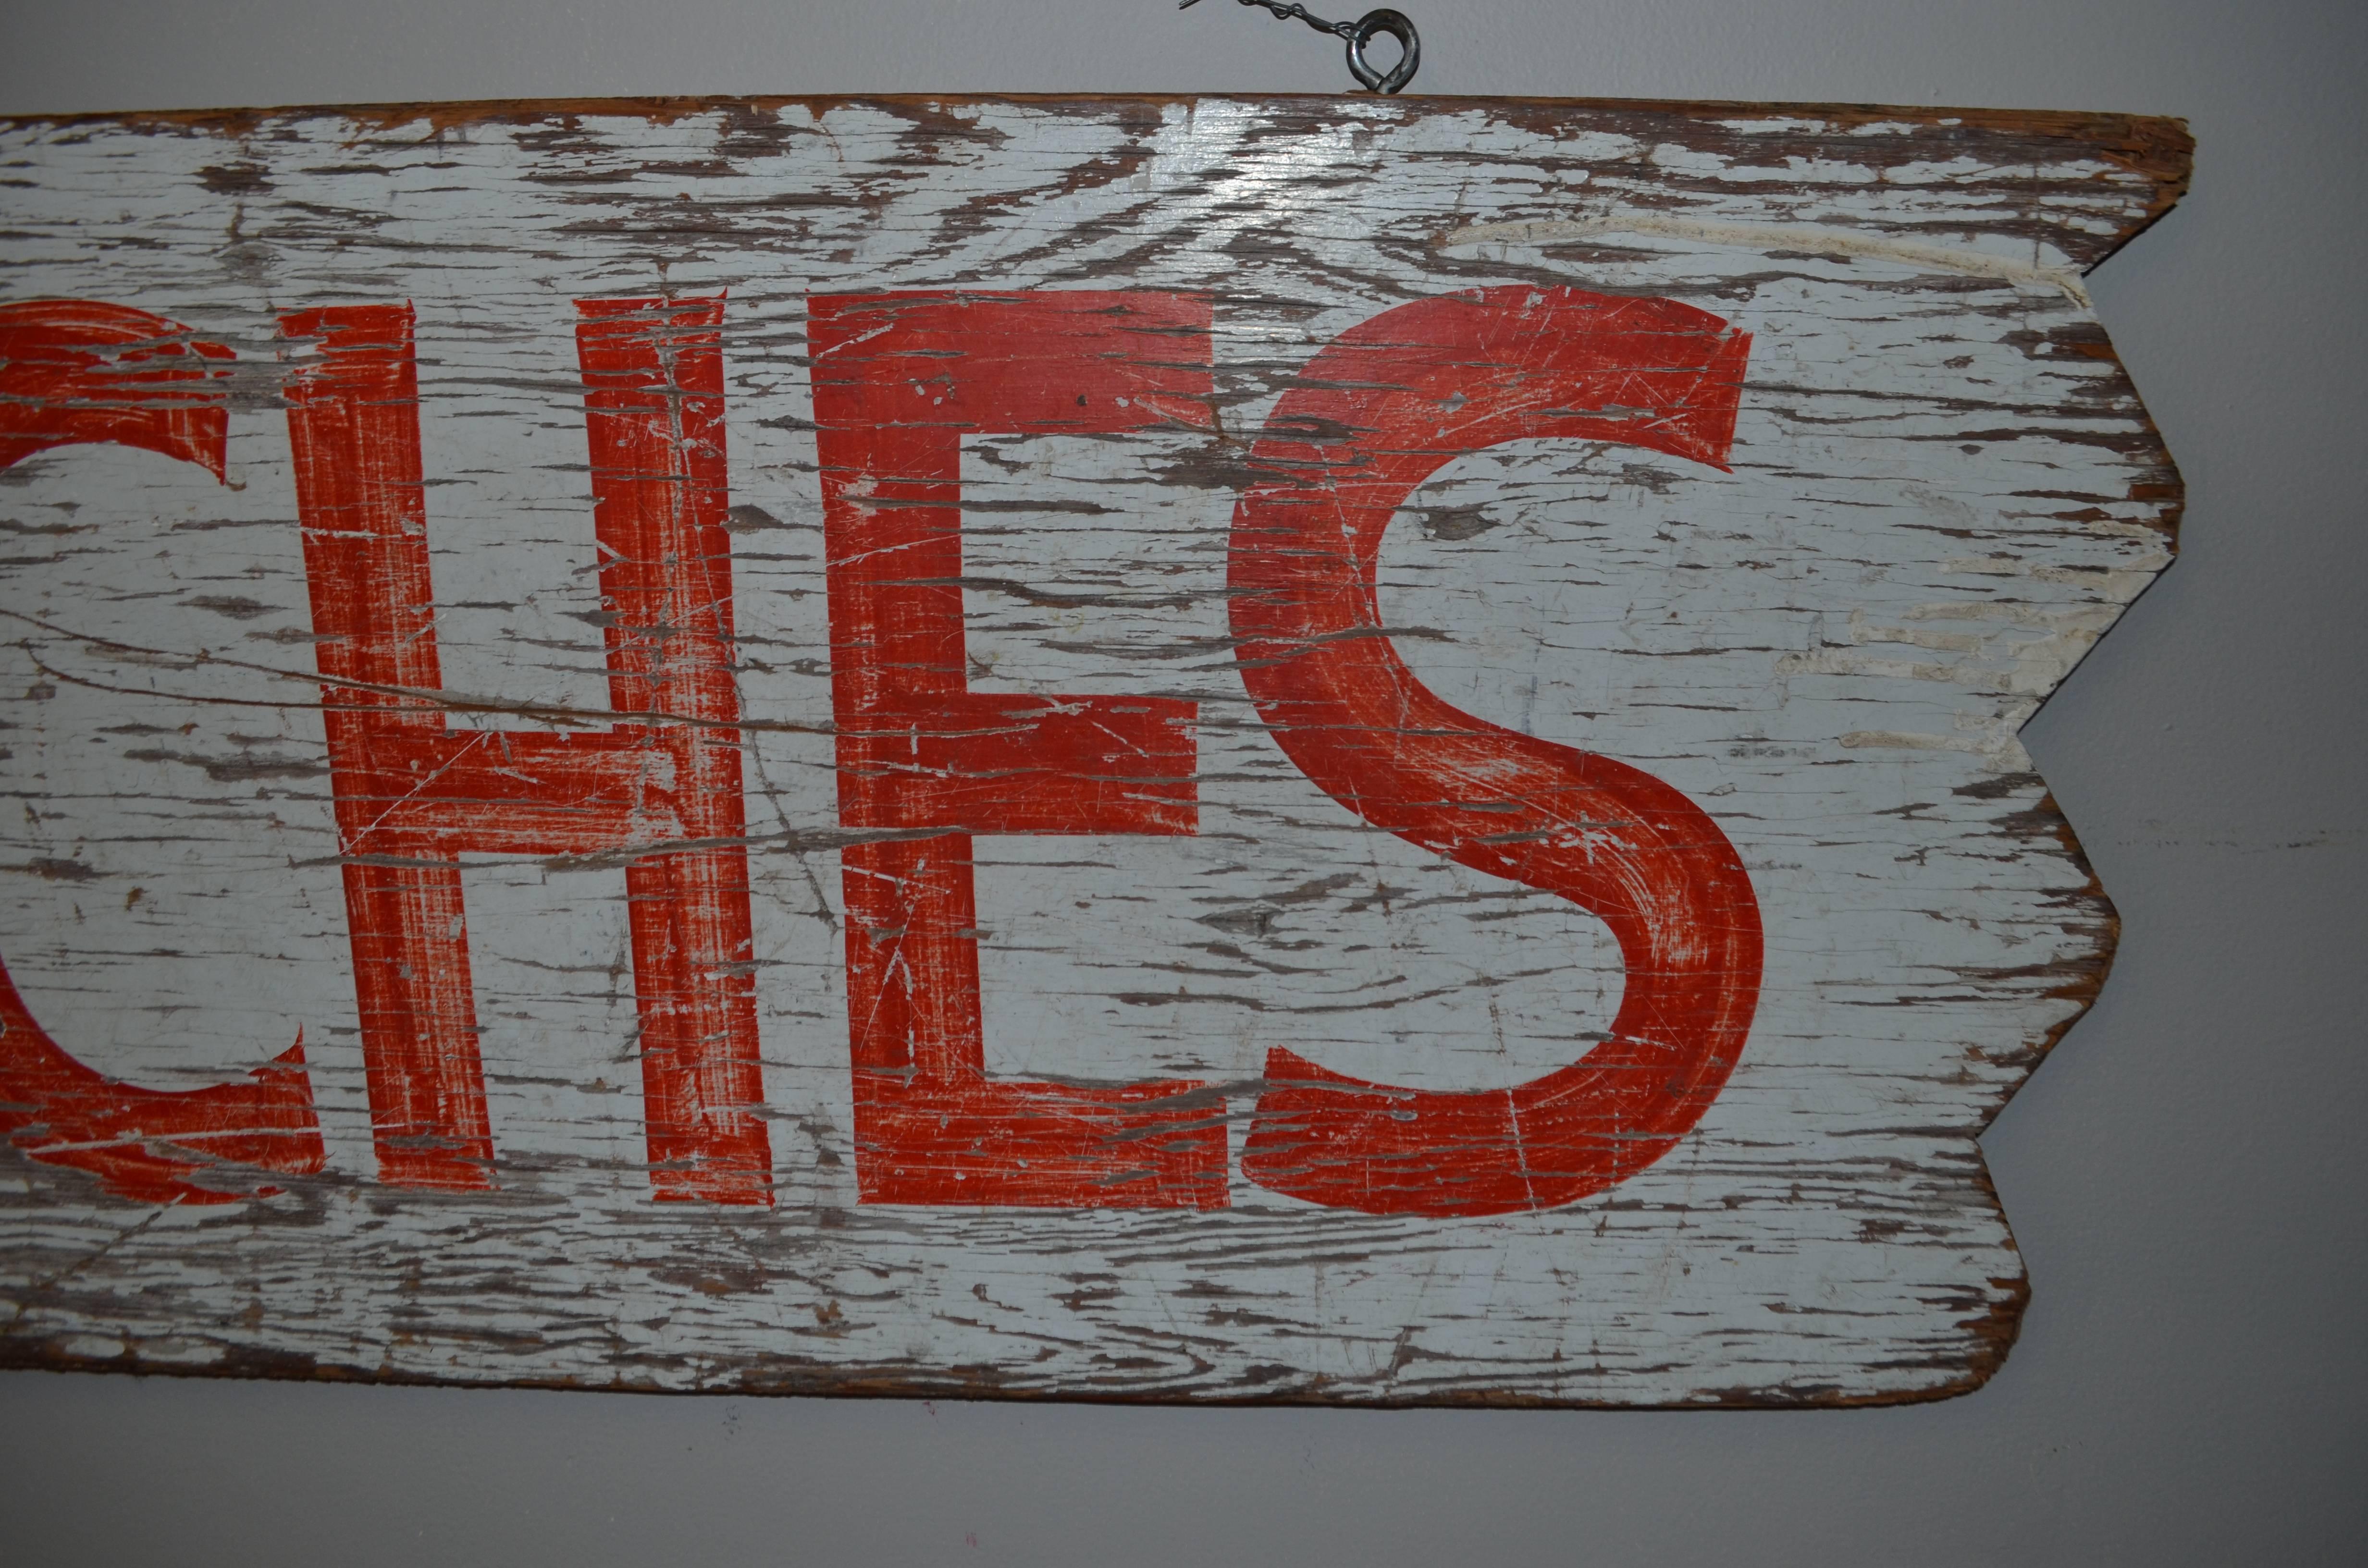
(2083, 980)
(2163, 485)
(2156, 147)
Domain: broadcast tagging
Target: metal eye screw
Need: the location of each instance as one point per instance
(1395, 23)
(1358, 33)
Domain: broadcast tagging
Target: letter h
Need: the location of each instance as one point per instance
(660, 783)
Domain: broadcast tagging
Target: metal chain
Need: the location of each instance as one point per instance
(1358, 33)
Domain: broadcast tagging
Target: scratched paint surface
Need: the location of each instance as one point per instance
(1939, 490)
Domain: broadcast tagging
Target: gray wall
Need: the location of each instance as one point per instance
(2187, 1175)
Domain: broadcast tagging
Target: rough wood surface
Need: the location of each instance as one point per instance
(1816, 628)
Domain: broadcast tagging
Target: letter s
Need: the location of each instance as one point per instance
(1380, 410)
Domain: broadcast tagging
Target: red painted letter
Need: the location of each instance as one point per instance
(74, 372)
(1384, 407)
(663, 779)
(926, 762)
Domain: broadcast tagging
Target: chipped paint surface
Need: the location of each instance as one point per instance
(635, 1138)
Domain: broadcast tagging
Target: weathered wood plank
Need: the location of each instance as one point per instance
(1872, 483)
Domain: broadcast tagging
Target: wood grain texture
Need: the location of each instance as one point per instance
(1820, 633)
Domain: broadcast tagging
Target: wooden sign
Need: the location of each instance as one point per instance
(1202, 748)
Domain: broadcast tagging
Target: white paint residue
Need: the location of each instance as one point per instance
(1829, 645)
(1765, 237)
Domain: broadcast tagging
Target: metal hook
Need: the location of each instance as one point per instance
(1409, 43)
(1358, 34)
